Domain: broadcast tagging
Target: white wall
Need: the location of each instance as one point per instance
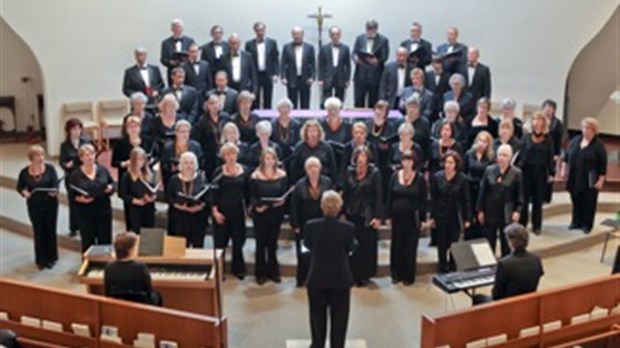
(17, 61)
(83, 46)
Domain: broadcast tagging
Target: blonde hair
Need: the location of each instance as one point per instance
(189, 156)
(226, 129)
(507, 124)
(245, 95)
(86, 148)
(331, 203)
(228, 148)
(35, 150)
(540, 116)
(417, 72)
(488, 152)
(592, 123)
(267, 152)
(303, 133)
(168, 99)
(182, 123)
(360, 125)
(133, 169)
(312, 160)
(133, 119)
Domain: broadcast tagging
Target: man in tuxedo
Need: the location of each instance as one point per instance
(215, 50)
(478, 75)
(370, 52)
(334, 67)
(239, 66)
(187, 96)
(330, 241)
(394, 79)
(174, 47)
(298, 69)
(143, 77)
(417, 87)
(437, 81)
(226, 95)
(266, 58)
(416, 42)
(453, 63)
(197, 72)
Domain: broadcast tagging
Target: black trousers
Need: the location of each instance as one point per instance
(300, 94)
(491, 231)
(264, 92)
(584, 207)
(192, 226)
(337, 301)
(141, 216)
(44, 228)
(303, 259)
(445, 236)
(475, 230)
(232, 229)
(73, 225)
(364, 259)
(94, 229)
(332, 91)
(267, 230)
(404, 248)
(534, 186)
(365, 95)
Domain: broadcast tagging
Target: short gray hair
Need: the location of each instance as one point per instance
(331, 203)
(505, 147)
(140, 49)
(284, 102)
(413, 99)
(265, 127)
(138, 96)
(457, 78)
(312, 160)
(451, 104)
(406, 127)
(182, 123)
(509, 103)
(188, 156)
(517, 235)
(332, 102)
(176, 21)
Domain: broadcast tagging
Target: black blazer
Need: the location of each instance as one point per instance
(330, 241)
(248, 80)
(133, 82)
(481, 82)
(334, 76)
(188, 103)
(437, 88)
(208, 54)
(230, 103)
(272, 55)
(366, 73)
(500, 195)
(516, 274)
(202, 82)
(288, 69)
(168, 49)
(426, 56)
(388, 87)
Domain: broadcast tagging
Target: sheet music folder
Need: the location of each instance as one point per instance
(155, 242)
(472, 254)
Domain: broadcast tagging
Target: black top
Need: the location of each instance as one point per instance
(69, 153)
(244, 157)
(501, 194)
(170, 157)
(341, 135)
(436, 153)
(474, 167)
(323, 151)
(266, 188)
(330, 241)
(405, 200)
(514, 143)
(305, 206)
(256, 149)
(585, 165)
(472, 131)
(146, 124)
(347, 155)
(96, 189)
(536, 154)
(122, 150)
(230, 191)
(130, 188)
(122, 278)
(422, 129)
(363, 198)
(460, 131)
(160, 133)
(208, 132)
(247, 129)
(516, 274)
(377, 135)
(39, 199)
(450, 198)
(287, 137)
(396, 156)
(556, 131)
(179, 191)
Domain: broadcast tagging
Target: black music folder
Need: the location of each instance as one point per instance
(365, 55)
(273, 200)
(190, 199)
(472, 254)
(79, 190)
(151, 242)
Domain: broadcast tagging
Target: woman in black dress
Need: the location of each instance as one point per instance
(500, 199)
(285, 129)
(244, 118)
(267, 182)
(336, 129)
(538, 167)
(305, 206)
(313, 144)
(174, 148)
(92, 185)
(450, 207)
(263, 134)
(586, 160)
(451, 114)
(481, 122)
(382, 133)
(446, 142)
(70, 161)
(38, 184)
(360, 135)
(363, 199)
(477, 159)
(162, 127)
(556, 132)
(506, 136)
(138, 189)
(405, 143)
(208, 132)
(121, 153)
(228, 199)
(187, 197)
(509, 107)
(406, 210)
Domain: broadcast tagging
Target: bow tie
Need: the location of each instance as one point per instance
(336, 45)
(219, 92)
(260, 41)
(471, 65)
(177, 39)
(196, 63)
(402, 66)
(235, 54)
(143, 67)
(415, 41)
(296, 44)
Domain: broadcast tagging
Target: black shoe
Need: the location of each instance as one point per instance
(395, 280)
(586, 230)
(49, 265)
(276, 279)
(41, 267)
(73, 234)
(408, 282)
(261, 280)
(300, 284)
(240, 276)
(537, 232)
(574, 227)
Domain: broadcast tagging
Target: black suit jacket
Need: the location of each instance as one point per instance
(460, 64)
(133, 82)
(168, 48)
(388, 87)
(516, 274)
(334, 76)
(481, 82)
(427, 55)
(330, 241)
(366, 73)
(203, 81)
(230, 103)
(431, 85)
(272, 55)
(208, 54)
(247, 79)
(188, 103)
(426, 102)
(289, 69)
(500, 198)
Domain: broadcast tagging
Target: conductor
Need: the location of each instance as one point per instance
(329, 281)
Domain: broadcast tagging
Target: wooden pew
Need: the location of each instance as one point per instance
(19, 298)
(511, 315)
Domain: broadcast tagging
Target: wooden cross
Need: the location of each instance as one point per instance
(320, 16)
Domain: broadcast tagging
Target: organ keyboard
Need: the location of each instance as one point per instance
(465, 280)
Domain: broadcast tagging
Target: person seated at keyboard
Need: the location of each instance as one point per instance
(127, 279)
(517, 273)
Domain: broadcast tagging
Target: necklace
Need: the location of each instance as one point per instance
(377, 129)
(285, 132)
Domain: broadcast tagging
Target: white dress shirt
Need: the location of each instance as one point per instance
(335, 55)
(437, 78)
(471, 70)
(369, 44)
(196, 67)
(144, 72)
(260, 50)
(401, 81)
(299, 50)
(236, 68)
(178, 46)
(178, 92)
(450, 48)
(414, 46)
(218, 50)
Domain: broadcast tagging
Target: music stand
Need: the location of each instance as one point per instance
(472, 254)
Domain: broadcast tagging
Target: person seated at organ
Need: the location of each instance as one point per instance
(143, 77)
(445, 143)
(263, 133)
(208, 132)
(509, 106)
(245, 119)
(313, 144)
(459, 94)
(186, 95)
(227, 97)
